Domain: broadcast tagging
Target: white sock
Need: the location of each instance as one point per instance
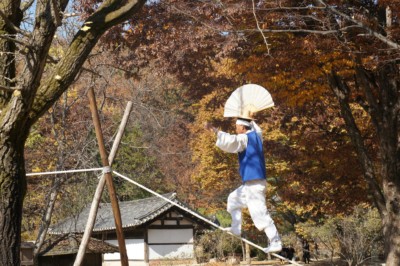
(272, 233)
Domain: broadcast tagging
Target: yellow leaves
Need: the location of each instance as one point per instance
(72, 93)
(36, 169)
(363, 119)
(305, 229)
(278, 166)
(334, 60)
(295, 184)
(274, 134)
(56, 50)
(34, 139)
(224, 68)
(300, 210)
(27, 236)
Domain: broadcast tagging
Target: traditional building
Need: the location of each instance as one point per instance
(61, 250)
(154, 229)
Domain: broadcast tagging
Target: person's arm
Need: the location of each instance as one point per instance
(227, 142)
(231, 143)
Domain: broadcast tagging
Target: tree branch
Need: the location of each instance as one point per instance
(27, 5)
(8, 88)
(196, 19)
(361, 25)
(321, 32)
(366, 80)
(70, 15)
(15, 40)
(341, 91)
(57, 13)
(259, 28)
(109, 14)
(11, 25)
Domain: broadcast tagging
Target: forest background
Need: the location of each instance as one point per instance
(331, 142)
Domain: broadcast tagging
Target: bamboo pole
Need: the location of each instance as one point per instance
(105, 178)
(99, 190)
(248, 257)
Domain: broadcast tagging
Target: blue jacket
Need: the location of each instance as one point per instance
(252, 160)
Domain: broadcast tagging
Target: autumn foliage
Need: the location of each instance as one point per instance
(180, 60)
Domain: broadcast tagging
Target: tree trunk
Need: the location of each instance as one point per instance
(391, 224)
(46, 218)
(12, 168)
(382, 102)
(12, 191)
(389, 140)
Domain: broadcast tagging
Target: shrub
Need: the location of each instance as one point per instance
(355, 238)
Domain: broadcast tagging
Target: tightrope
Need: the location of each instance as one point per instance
(65, 171)
(200, 217)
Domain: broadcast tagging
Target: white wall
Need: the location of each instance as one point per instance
(171, 252)
(134, 250)
(178, 243)
(170, 235)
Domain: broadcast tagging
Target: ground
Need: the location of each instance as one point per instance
(335, 262)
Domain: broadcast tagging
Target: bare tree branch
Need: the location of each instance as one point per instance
(8, 88)
(57, 13)
(11, 25)
(70, 15)
(322, 32)
(259, 28)
(26, 5)
(362, 26)
(196, 19)
(20, 42)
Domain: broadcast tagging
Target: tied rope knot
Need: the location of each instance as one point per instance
(106, 169)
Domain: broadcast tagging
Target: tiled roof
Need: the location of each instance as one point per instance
(69, 244)
(133, 213)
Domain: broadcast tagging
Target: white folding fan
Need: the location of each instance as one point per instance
(246, 100)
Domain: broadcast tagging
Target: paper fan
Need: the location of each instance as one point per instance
(247, 99)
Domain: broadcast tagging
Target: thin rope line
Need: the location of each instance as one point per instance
(65, 171)
(200, 217)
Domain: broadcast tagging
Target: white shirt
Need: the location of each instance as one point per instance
(236, 143)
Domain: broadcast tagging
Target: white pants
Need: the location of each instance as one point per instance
(251, 195)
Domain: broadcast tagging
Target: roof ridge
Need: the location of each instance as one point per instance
(145, 209)
(171, 197)
(163, 207)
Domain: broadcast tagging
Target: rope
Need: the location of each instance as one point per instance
(106, 169)
(66, 171)
(200, 217)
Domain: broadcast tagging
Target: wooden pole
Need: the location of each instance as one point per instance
(248, 257)
(108, 178)
(99, 190)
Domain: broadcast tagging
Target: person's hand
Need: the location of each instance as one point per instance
(251, 115)
(208, 126)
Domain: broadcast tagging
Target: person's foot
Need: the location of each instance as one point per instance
(232, 230)
(275, 246)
